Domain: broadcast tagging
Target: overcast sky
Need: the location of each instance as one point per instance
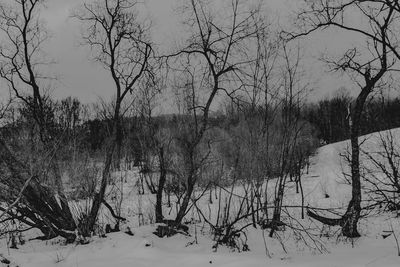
(79, 77)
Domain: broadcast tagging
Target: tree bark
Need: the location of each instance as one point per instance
(352, 215)
(350, 219)
(185, 202)
(160, 189)
(87, 225)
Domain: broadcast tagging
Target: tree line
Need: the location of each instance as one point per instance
(331, 116)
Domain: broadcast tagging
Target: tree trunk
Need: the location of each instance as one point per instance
(302, 198)
(87, 225)
(276, 217)
(350, 219)
(185, 203)
(352, 215)
(160, 189)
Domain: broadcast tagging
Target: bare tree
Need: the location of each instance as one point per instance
(382, 176)
(155, 144)
(366, 66)
(262, 92)
(293, 90)
(214, 55)
(119, 41)
(21, 65)
(22, 53)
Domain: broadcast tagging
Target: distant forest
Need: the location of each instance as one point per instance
(329, 119)
(331, 116)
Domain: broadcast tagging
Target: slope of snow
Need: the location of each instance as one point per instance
(145, 249)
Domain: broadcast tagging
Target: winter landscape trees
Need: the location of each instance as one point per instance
(120, 42)
(366, 66)
(235, 153)
(21, 58)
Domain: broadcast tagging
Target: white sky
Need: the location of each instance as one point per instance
(79, 77)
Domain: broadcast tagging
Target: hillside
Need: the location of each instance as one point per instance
(324, 187)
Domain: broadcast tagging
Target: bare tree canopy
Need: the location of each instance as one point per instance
(21, 51)
(366, 65)
(119, 40)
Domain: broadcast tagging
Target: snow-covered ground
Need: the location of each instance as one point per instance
(146, 249)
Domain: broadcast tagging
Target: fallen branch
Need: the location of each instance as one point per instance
(18, 198)
(324, 220)
(112, 211)
(4, 260)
